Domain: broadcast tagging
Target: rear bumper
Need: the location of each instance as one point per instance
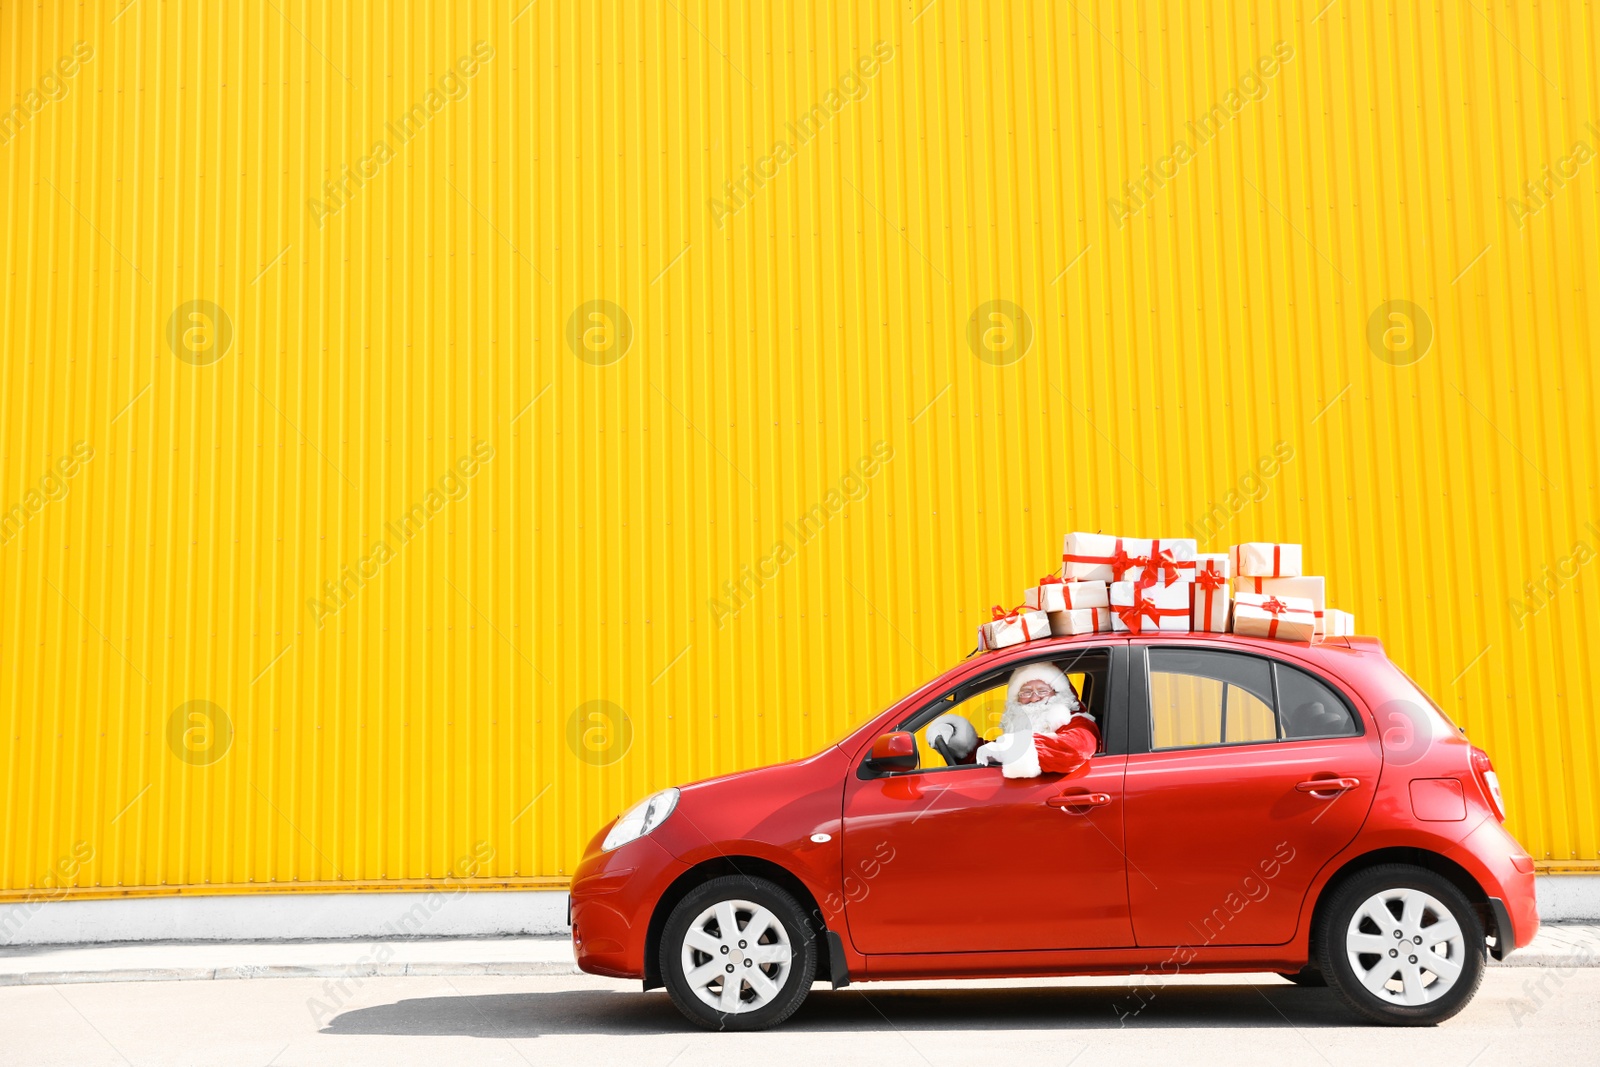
(1505, 871)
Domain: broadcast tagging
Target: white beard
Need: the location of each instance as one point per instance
(1042, 717)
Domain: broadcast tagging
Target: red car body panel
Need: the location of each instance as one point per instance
(929, 875)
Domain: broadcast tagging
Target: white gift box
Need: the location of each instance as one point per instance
(1209, 603)
(1281, 618)
(1104, 558)
(1266, 559)
(1081, 621)
(1012, 629)
(1138, 608)
(1058, 599)
(1312, 587)
(1336, 623)
(1218, 563)
(1067, 596)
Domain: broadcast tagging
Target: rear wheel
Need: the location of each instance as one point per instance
(738, 954)
(1402, 945)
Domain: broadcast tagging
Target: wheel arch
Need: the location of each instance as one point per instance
(1414, 856)
(750, 866)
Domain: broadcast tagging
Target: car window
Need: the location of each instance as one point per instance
(1204, 697)
(982, 702)
(1310, 708)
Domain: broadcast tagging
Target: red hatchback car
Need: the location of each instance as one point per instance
(1256, 806)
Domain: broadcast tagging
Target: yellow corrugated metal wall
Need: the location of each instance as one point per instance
(427, 427)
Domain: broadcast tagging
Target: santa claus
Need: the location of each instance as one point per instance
(1045, 727)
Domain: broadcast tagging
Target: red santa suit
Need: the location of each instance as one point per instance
(1054, 736)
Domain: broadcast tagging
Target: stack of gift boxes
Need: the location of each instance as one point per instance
(1133, 585)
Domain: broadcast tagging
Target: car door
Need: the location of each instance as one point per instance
(1225, 824)
(965, 860)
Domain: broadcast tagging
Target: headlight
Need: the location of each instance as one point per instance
(640, 819)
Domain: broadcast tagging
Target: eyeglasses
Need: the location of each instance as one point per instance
(1034, 692)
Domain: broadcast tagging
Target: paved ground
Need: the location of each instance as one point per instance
(1526, 1015)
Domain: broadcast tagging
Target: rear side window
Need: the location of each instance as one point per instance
(1310, 709)
(1201, 697)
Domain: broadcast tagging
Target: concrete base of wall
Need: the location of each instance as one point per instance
(394, 916)
(1568, 897)
(287, 917)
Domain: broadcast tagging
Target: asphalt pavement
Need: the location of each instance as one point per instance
(1526, 1014)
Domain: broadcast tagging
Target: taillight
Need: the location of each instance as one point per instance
(1489, 781)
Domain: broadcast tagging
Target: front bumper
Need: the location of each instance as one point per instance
(612, 899)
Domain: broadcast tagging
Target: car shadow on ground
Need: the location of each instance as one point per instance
(627, 1012)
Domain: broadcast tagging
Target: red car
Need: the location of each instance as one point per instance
(1255, 805)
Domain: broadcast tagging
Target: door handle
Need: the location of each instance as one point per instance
(1079, 800)
(1327, 785)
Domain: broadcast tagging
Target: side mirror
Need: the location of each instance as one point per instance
(896, 751)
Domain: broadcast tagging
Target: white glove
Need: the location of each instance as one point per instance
(1014, 753)
(956, 732)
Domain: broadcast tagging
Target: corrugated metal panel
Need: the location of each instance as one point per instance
(400, 657)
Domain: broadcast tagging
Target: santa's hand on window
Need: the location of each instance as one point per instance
(1005, 749)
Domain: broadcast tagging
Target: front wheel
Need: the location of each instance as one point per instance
(738, 954)
(1402, 945)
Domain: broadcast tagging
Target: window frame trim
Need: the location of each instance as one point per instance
(1113, 734)
(1142, 742)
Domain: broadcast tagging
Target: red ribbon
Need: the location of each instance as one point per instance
(1122, 563)
(1275, 607)
(1016, 614)
(1050, 579)
(1160, 560)
(1210, 581)
(1132, 614)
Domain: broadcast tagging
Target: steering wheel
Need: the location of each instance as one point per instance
(952, 736)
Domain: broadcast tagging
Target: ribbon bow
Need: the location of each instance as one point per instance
(1274, 605)
(1131, 614)
(1122, 563)
(1016, 614)
(1160, 560)
(1210, 580)
(1050, 579)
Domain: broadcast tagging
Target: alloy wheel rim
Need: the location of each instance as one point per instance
(1405, 947)
(736, 956)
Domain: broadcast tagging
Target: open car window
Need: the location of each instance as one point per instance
(982, 701)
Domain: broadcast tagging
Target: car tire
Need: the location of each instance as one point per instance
(770, 957)
(1308, 976)
(1378, 943)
